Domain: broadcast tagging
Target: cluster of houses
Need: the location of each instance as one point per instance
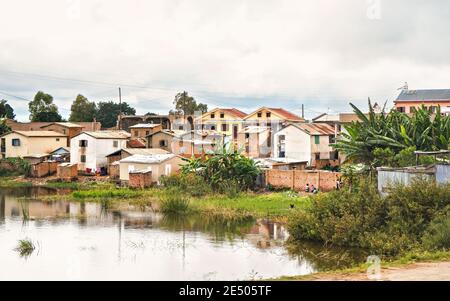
(143, 148)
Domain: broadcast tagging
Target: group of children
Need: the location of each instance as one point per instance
(311, 189)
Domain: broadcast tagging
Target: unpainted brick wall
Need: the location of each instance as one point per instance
(140, 180)
(297, 179)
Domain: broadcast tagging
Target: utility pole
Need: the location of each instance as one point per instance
(120, 110)
(303, 111)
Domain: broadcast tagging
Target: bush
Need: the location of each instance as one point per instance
(15, 167)
(174, 202)
(387, 225)
(437, 236)
(188, 183)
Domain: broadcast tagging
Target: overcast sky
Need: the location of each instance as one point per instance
(228, 53)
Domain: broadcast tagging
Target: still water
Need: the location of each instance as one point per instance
(89, 241)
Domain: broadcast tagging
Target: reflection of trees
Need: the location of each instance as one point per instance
(220, 229)
(323, 258)
(2, 208)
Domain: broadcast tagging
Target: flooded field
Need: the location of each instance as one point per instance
(89, 241)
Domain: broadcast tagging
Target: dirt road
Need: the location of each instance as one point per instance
(439, 271)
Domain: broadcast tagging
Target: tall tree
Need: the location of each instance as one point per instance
(187, 105)
(82, 110)
(43, 109)
(107, 112)
(6, 110)
(4, 128)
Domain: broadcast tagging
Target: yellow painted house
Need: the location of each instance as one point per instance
(25, 143)
(224, 121)
(270, 117)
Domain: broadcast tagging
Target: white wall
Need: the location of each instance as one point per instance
(95, 152)
(298, 144)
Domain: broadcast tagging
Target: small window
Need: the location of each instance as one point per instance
(180, 143)
(213, 116)
(317, 156)
(317, 139)
(213, 128)
(268, 114)
(57, 139)
(115, 143)
(259, 114)
(222, 115)
(16, 142)
(64, 131)
(224, 127)
(401, 109)
(180, 128)
(83, 158)
(269, 125)
(163, 143)
(332, 139)
(147, 133)
(83, 143)
(136, 133)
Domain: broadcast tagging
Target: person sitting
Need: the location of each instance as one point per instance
(315, 191)
(307, 188)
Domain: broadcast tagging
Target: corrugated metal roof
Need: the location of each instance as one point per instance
(144, 126)
(148, 159)
(424, 95)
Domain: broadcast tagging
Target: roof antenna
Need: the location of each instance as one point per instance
(405, 87)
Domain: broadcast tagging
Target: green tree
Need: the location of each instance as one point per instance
(187, 105)
(82, 110)
(107, 112)
(43, 109)
(3, 127)
(6, 110)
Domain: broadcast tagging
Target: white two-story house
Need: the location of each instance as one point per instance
(89, 149)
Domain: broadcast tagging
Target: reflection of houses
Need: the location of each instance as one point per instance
(89, 149)
(306, 142)
(26, 143)
(265, 234)
(158, 164)
(255, 141)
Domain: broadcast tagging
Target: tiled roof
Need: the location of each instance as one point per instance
(235, 112)
(147, 159)
(140, 151)
(136, 143)
(320, 129)
(174, 133)
(424, 95)
(286, 114)
(254, 129)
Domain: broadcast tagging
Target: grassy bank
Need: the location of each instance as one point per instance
(401, 262)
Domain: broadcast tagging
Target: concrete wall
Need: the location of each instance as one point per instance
(297, 179)
(390, 177)
(32, 145)
(297, 145)
(158, 170)
(443, 174)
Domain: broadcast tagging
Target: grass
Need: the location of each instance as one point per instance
(106, 193)
(25, 247)
(274, 205)
(11, 182)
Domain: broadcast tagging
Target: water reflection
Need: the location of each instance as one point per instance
(95, 241)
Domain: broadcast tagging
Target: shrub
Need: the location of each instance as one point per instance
(386, 225)
(437, 235)
(15, 167)
(174, 202)
(189, 183)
